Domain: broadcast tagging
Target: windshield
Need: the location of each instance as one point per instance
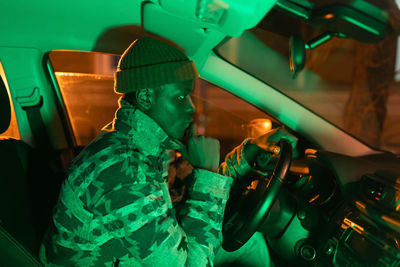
(353, 85)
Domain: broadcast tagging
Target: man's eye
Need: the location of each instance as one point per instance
(181, 97)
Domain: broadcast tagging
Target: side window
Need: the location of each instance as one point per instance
(12, 130)
(86, 81)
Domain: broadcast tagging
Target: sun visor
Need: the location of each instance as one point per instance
(230, 17)
(198, 26)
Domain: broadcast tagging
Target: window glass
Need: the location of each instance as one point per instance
(348, 83)
(86, 84)
(12, 130)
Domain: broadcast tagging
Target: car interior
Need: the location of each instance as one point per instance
(29, 191)
(340, 200)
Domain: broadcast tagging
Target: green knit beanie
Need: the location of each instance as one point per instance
(148, 63)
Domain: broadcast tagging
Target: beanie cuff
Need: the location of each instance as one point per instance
(151, 76)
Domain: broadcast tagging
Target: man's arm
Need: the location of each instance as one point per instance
(202, 215)
(140, 216)
(243, 158)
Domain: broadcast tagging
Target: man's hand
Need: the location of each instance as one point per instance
(272, 137)
(264, 142)
(201, 152)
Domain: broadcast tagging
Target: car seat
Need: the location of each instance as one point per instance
(29, 190)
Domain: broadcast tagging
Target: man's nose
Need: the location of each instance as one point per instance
(191, 107)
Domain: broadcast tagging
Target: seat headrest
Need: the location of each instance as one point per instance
(5, 108)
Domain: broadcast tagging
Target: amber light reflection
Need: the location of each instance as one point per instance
(12, 130)
(90, 102)
(348, 223)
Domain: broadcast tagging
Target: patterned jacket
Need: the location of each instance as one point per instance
(115, 209)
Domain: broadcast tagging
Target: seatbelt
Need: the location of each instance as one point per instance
(38, 129)
(31, 105)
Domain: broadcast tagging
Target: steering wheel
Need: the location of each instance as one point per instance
(246, 210)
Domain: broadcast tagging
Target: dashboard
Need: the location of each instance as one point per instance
(337, 210)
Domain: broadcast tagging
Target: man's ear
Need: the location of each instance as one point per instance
(144, 98)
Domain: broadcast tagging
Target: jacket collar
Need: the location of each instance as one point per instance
(144, 133)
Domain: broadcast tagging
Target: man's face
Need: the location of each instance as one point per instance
(172, 108)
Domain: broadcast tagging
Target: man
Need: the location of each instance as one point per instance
(114, 208)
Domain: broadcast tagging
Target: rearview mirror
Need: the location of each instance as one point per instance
(297, 55)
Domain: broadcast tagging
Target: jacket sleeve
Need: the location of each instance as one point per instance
(202, 215)
(136, 222)
(235, 164)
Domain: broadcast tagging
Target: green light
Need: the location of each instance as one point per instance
(294, 9)
(318, 41)
(361, 25)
